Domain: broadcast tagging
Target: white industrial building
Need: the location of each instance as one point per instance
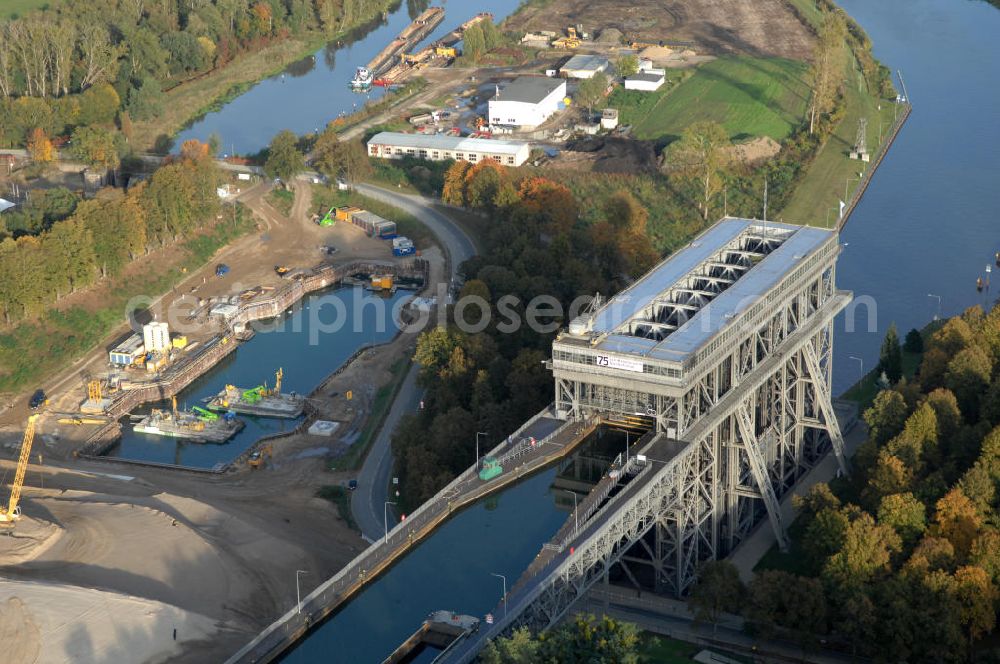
(438, 147)
(156, 336)
(584, 66)
(647, 79)
(526, 102)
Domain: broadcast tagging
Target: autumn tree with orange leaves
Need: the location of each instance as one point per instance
(39, 146)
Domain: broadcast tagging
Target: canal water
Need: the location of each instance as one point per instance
(309, 342)
(313, 91)
(928, 224)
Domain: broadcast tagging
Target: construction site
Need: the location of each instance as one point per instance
(215, 549)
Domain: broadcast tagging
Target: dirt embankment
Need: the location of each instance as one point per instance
(760, 27)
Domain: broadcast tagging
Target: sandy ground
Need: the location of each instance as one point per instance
(757, 27)
(38, 624)
(108, 558)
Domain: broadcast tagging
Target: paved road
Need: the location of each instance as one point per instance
(368, 502)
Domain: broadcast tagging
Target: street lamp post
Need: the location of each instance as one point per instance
(385, 518)
(504, 579)
(860, 362)
(938, 297)
(576, 515)
(298, 594)
(478, 434)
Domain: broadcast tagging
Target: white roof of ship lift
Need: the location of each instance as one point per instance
(714, 316)
(443, 142)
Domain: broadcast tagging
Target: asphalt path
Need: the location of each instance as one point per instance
(368, 503)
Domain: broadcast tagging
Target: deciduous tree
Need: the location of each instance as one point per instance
(701, 156)
(284, 160)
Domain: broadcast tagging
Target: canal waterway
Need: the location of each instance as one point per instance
(303, 342)
(928, 224)
(313, 91)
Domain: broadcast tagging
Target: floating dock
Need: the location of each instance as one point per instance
(257, 401)
(440, 631)
(420, 28)
(194, 426)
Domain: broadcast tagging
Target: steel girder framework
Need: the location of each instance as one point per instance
(700, 503)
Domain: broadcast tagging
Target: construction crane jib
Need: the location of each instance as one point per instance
(12, 512)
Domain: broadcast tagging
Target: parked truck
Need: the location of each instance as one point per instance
(402, 246)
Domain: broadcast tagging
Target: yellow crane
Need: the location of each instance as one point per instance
(12, 513)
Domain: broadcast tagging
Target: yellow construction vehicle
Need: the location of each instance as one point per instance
(278, 375)
(257, 458)
(445, 51)
(94, 392)
(571, 40)
(12, 513)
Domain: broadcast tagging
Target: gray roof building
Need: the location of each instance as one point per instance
(529, 89)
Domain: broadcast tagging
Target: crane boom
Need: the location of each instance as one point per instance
(11, 513)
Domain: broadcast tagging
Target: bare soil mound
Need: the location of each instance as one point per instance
(761, 27)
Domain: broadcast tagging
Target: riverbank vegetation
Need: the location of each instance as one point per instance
(106, 245)
(902, 560)
(65, 65)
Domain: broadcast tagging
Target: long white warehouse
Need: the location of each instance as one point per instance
(396, 145)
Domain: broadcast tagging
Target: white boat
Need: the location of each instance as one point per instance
(362, 79)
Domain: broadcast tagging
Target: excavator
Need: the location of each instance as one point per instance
(12, 512)
(257, 458)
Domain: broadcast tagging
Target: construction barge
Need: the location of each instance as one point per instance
(197, 425)
(416, 31)
(259, 401)
(442, 48)
(441, 631)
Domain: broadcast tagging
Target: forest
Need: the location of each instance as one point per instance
(492, 381)
(97, 238)
(82, 63)
(901, 562)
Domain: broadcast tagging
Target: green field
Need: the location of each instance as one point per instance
(748, 96)
(832, 175)
(14, 8)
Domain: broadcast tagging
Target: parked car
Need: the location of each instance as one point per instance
(352, 485)
(37, 399)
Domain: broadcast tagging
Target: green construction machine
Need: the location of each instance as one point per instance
(204, 415)
(254, 395)
(329, 219)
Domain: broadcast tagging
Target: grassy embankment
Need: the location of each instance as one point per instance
(749, 97)
(832, 174)
(384, 397)
(340, 497)
(71, 332)
(281, 200)
(664, 650)
(191, 100)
